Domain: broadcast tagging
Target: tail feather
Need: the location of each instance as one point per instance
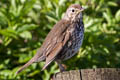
(26, 65)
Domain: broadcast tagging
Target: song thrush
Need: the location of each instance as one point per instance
(63, 41)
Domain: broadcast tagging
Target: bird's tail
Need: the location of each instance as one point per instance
(26, 65)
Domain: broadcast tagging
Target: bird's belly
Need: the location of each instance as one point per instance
(73, 46)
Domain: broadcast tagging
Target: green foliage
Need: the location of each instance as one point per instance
(25, 23)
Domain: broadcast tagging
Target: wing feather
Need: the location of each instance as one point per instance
(57, 43)
(54, 36)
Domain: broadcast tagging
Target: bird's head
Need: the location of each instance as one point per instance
(74, 12)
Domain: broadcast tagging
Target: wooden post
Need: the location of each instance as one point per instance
(89, 74)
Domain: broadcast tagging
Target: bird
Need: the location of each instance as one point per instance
(63, 41)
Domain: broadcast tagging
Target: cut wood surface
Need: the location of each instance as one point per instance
(89, 74)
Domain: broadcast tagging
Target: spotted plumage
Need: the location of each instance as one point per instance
(74, 43)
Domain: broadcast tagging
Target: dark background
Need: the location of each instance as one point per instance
(24, 25)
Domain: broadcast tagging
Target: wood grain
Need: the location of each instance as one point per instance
(89, 74)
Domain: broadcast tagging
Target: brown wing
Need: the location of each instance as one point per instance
(55, 40)
(55, 35)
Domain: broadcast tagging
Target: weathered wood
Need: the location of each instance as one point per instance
(89, 74)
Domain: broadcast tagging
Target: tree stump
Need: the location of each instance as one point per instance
(89, 74)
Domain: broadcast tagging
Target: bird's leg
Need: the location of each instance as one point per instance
(61, 67)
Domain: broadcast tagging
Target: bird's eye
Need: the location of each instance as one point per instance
(73, 10)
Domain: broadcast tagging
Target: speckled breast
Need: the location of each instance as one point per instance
(74, 43)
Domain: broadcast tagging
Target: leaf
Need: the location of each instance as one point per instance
(50, 18)
(28, 5)
(34, 73)
(5, 72)
(111, 3)
(26, 35)
(26, 27)
(107, 17)
(9, 33)
(3, 19)
(7, 41)
(117, 15)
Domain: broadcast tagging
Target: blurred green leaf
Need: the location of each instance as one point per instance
(117, 15)
(26, 27)
(28, 5)
(112, 3)
(9, 33)
(26, 35)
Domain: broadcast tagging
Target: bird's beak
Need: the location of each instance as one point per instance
(82, 9)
